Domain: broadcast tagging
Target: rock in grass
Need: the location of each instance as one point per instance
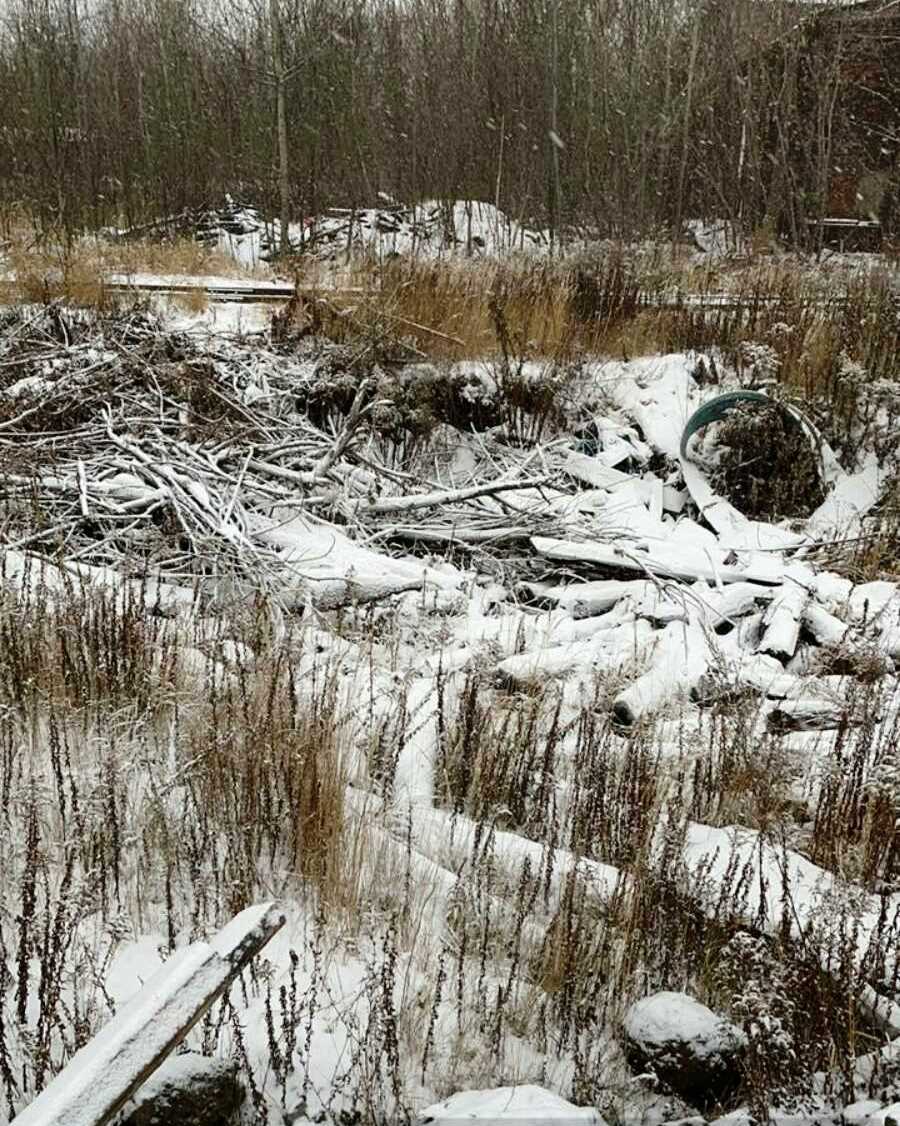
(690, 1049)
(190, 1090)
(887, 1116)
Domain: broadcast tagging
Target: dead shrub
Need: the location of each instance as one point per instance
(765, 465)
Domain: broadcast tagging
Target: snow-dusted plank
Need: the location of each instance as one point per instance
(665, 560)
(102, 1076)
(853, 495)
(191, 282)
(592, 471)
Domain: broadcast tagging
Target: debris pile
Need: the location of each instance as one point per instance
(435, 227)
(430, 229)
(598, 558)
(318, 478)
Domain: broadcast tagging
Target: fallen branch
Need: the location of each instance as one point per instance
(451, 496)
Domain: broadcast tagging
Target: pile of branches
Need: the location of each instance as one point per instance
(126, 445)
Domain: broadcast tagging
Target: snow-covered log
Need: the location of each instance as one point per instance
(608, 649)
(587, 599)
(812, 712)
(679, 661)
(781, 623)
(825, 628)
(38, 577)
(454, 841)
(773, 876)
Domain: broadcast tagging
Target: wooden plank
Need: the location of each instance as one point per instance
(606, 556)
(103, 1075)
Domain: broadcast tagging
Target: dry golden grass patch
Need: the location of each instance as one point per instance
(454, 309)
(175, 256)
(73, 270)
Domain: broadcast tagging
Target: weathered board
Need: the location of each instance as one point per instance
(104, 1074)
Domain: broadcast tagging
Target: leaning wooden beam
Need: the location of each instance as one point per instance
(100, 1078)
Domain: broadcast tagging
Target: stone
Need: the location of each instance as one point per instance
(690, 1049)
(524, 1105)
(190, 1090)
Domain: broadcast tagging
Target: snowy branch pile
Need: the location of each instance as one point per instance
(427, 229)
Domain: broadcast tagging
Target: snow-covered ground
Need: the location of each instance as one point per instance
(556, 677)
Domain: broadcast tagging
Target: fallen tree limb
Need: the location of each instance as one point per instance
(651, 563)
(474, 536)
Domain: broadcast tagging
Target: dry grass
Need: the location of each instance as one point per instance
(73, 270)
(449, 309)
(157, 777)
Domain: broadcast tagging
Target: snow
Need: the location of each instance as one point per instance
(526, 1104)
(664, 1017)
(648, 639)
(188, 282)
(885, 1116)
(851, 497)
(104, 1073)
(856, 1114)
(429, 229)
(774, 876)
(656, 392)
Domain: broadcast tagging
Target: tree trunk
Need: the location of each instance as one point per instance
(555, 191)
(284, 172)
(685, 140)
